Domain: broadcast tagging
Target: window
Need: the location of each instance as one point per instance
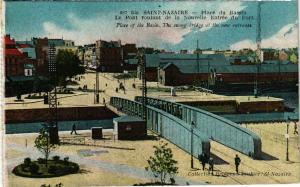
(128, 128)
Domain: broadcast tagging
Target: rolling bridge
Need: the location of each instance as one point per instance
(173, 122)
(167, 126)
(215, 127)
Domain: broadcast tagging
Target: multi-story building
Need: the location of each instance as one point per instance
(109, 56)
(85, 54)
(14, 58)
(20, 62)
(269, 54)
(129, 53)
(68, 45)
(41, 48)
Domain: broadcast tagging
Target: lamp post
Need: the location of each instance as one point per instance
(192, 145)
(287, 139)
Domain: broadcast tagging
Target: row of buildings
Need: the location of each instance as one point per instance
(204, 67)
(26, 62)
(23, 59)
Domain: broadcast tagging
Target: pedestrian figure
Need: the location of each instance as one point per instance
(103, 100)
(74, 129)
(202, 159)
(295, 128)
(211, 165)
(237, 162)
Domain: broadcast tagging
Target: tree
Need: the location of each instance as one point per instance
(162, 163)
(68, 65)
(42, 143)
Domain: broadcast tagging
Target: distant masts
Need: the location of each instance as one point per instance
(258, 33)
(197, 51)
(258, 51)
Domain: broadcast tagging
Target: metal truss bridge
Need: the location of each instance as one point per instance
(190, 128)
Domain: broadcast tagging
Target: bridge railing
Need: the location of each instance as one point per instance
(166, 125)
(215, 127)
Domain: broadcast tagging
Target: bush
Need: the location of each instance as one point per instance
(75, 168)
(24, 168)
(52, 169)
(19, 97)
(34, 169)
(41, 160)
(66, 161)
(56, 158)
(27, 162)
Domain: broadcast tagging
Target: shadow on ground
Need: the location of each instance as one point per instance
(266, 156)
(84, 171)
(218, 160)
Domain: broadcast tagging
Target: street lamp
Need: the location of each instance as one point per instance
(192, 145)
(287, 138)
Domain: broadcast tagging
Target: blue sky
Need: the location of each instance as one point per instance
(85, 22)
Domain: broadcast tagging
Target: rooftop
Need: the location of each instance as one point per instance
(9, 41)
(128, 119)
(14, 52)
(30, 51)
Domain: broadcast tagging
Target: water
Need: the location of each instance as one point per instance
(291, 100)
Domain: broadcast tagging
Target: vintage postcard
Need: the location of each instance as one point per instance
(149, 92)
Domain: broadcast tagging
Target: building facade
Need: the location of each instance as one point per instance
(109, 56)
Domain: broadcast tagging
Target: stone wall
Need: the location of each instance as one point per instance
(64, 114)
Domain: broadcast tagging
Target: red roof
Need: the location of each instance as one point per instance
(23, 45)
(15, 52)
(9, 41)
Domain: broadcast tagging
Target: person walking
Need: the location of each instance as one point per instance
(237, 162)
(202, 159)
(74, 129)
(295, 128)
(211, 165)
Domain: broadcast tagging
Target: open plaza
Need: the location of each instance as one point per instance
(121, 162)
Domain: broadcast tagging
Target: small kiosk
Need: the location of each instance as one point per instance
(130, 128)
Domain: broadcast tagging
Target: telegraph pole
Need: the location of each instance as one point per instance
(287, 139)
(52, 98)
(192, 144)
(96, 91)
(142, 60)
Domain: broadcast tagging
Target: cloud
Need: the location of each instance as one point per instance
(286, 37)
(103, 26)
(243, 44)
